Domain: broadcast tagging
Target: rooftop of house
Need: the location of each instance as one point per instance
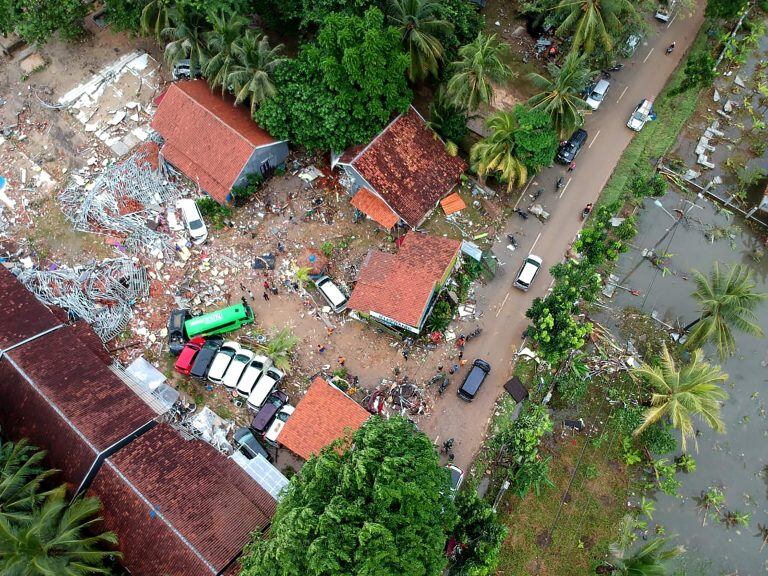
(374, 207)
(322, 416)
(399, 286)
(408, 166)
(207, 136)
(22, 315)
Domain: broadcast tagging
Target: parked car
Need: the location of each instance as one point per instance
(597, 94)
(641, 115)
(457, 479)
(237, 367)
(193, 220)
(474, 380)
(269, 379)
(336, 299)
(665, 10)
(527, 273)
(175, 327)
(264, 417)
(221, 361)
(571, 147)
(187, 356)
(630, 46)
(183, 70)
(205, 357)
(278, 424)
(248, 445)
(252, 373)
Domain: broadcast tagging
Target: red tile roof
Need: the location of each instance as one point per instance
(399, 286)
(206, 136)
(452, 203)
(21, 314)
(374, 207)
(322, 416)
(409, 167)
(179, 506)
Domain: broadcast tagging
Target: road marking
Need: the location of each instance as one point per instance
(565, 187)
(502, 305)
(649, 55)
(522, 194)
(534, 243)
(673, 19)
(622, 94)
(593, 140)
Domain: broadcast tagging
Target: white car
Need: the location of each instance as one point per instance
(193, 220)
(237, 367)
(278, 424)
(528, 272)
(641, 115)
(221, 361)
(336, 299)
(269, 379)
(252, 373)
(597, 94)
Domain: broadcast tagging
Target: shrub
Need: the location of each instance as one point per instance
(658, 439)
(244, 192)
(211, 209)
(441, 316)
(327, 249)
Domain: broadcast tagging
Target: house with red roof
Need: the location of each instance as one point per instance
(322, 416)
(213, 141)
(400, 289)
(401, 175)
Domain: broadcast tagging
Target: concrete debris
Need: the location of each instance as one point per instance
(691, 174)
(716, 96)
(739, 82)
(728, 106)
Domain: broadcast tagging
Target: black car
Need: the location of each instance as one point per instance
(266, 414)
(176, 339)
(249, 447)
(205, 357)
(473, 380)
(570, 148)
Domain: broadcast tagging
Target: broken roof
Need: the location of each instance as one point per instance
(399, 286)
(207, 136)
(179, 506)
(374, 207)
(321, 416)
(408, 166)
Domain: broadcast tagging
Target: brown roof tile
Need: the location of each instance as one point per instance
(206, 136)
(399, 286)
(452, 203)
(374, 207)
(21, 314)
(409, 167)
(322, 416)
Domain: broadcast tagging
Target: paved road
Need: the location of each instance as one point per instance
(504, 320)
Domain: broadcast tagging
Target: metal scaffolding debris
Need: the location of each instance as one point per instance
(125, 200)
(101, 294)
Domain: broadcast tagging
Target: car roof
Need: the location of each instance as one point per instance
(331, 290)
(601, 86)
(529, 270)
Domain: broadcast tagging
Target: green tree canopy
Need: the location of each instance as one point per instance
(252, 72)
(593, 24)
(37, 20)
(650, 559)
(343, 88)
(222, 41)
(554, 328)
(724, 8)
(21, 475)
(480, 535)
(419, 28)
(380, 508)
(535, 139)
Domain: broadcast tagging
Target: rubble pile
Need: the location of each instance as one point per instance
(400, 397)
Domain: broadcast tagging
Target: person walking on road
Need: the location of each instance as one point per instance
(572, 166)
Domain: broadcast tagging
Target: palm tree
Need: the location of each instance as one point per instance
(449, 121)
(496, 153)
(480, 63)
(280, 348)
(251, 75)
(20, 479)
(186, 31)
(419, 25)
(222, 40)
(560, 97)
(648, 560)
(593, 23)
(693, 390)
(154, 18)
(57, 539)
(726, 300)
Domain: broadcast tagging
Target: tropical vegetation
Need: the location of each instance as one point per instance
(650, 559)
(420, 28)
(280, 348)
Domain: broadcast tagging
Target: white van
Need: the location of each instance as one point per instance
(597, 94)
(528, 272)
(336, 299)
(270, 378)
(193, 220)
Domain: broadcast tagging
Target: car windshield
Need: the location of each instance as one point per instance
(596, 96)
(638, 115)
(241, 358)
(195, 224)
(227, 352)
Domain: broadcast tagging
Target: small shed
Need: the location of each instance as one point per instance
(516, 389)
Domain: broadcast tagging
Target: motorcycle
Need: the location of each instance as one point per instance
(586, 212)
(536, 194)
(474, 334)
(520, 213)
(512, 240)
(669, 49)
(560, 183)
(443, 385)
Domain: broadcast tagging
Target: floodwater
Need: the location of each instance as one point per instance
(735, 461)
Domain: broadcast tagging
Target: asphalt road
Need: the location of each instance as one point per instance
(643, 76)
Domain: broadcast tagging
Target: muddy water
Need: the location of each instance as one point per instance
(733, 461)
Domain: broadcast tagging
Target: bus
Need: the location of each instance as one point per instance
(219, 321)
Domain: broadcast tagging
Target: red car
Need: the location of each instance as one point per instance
(187, 356)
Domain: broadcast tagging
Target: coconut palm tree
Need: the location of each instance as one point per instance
(21, 476)
(680, 394)
(154, 18)
(56, 539)
(481, 62)
(255, 62)
(727, 299)
(594, 23)
(649, 560)
(280, 348)
(222, 41)
(419, 26)
(186, 34)
(446, 119)
(496, 153)
(560, 97)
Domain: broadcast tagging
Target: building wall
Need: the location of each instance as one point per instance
(276, 153)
